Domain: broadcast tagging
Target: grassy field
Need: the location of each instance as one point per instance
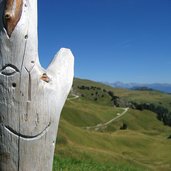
(142, 146)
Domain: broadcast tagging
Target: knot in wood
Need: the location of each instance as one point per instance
(7, 16)
(45, 78)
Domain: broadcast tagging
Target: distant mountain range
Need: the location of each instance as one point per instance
(164, 87)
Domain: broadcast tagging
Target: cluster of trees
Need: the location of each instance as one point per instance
(117, 101)
(163, 114)
(114, 98)
(95, 94)
(82, 87)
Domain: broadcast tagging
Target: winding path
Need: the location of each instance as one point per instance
(104, 125)
(72, 98)
(101, 125)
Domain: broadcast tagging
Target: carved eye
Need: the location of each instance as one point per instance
(9, 70)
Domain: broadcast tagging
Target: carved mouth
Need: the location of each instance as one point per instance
(9, 70)
(27, 137)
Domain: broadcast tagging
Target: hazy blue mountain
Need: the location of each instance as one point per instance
(156, 86)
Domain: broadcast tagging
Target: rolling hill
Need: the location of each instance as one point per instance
(112, 129)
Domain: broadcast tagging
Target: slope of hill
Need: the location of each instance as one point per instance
(135, 141)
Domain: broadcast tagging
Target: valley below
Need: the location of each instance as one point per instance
(112, 129)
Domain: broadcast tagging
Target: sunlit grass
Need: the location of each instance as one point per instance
(143, 146)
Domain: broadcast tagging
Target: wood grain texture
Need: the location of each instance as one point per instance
(12, 14)
(31, 98)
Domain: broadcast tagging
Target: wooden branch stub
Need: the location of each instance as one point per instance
(12, 14)
(45, 78)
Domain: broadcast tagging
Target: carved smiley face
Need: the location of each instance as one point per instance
(22, 116)
(20, 84)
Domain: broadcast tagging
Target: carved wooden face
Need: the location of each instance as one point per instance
(31, 98)
(23, 84)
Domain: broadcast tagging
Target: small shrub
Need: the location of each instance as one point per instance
(124, 126)
(169, 137)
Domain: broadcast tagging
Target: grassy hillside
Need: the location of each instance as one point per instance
(135, 141)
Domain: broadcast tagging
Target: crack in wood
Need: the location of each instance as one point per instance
(29, 85)
(37, 119)
(29, 88)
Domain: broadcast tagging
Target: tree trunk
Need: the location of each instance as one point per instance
(31, 98)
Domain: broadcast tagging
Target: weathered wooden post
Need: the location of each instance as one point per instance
(31, 98)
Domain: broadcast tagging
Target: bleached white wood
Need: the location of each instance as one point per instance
(31, 98)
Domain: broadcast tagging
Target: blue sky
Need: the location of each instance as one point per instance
(112, 40)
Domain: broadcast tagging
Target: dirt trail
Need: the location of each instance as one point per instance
(104, 125)
(101, 125)
(72, 98)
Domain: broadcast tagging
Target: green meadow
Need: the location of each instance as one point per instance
(84, 143)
